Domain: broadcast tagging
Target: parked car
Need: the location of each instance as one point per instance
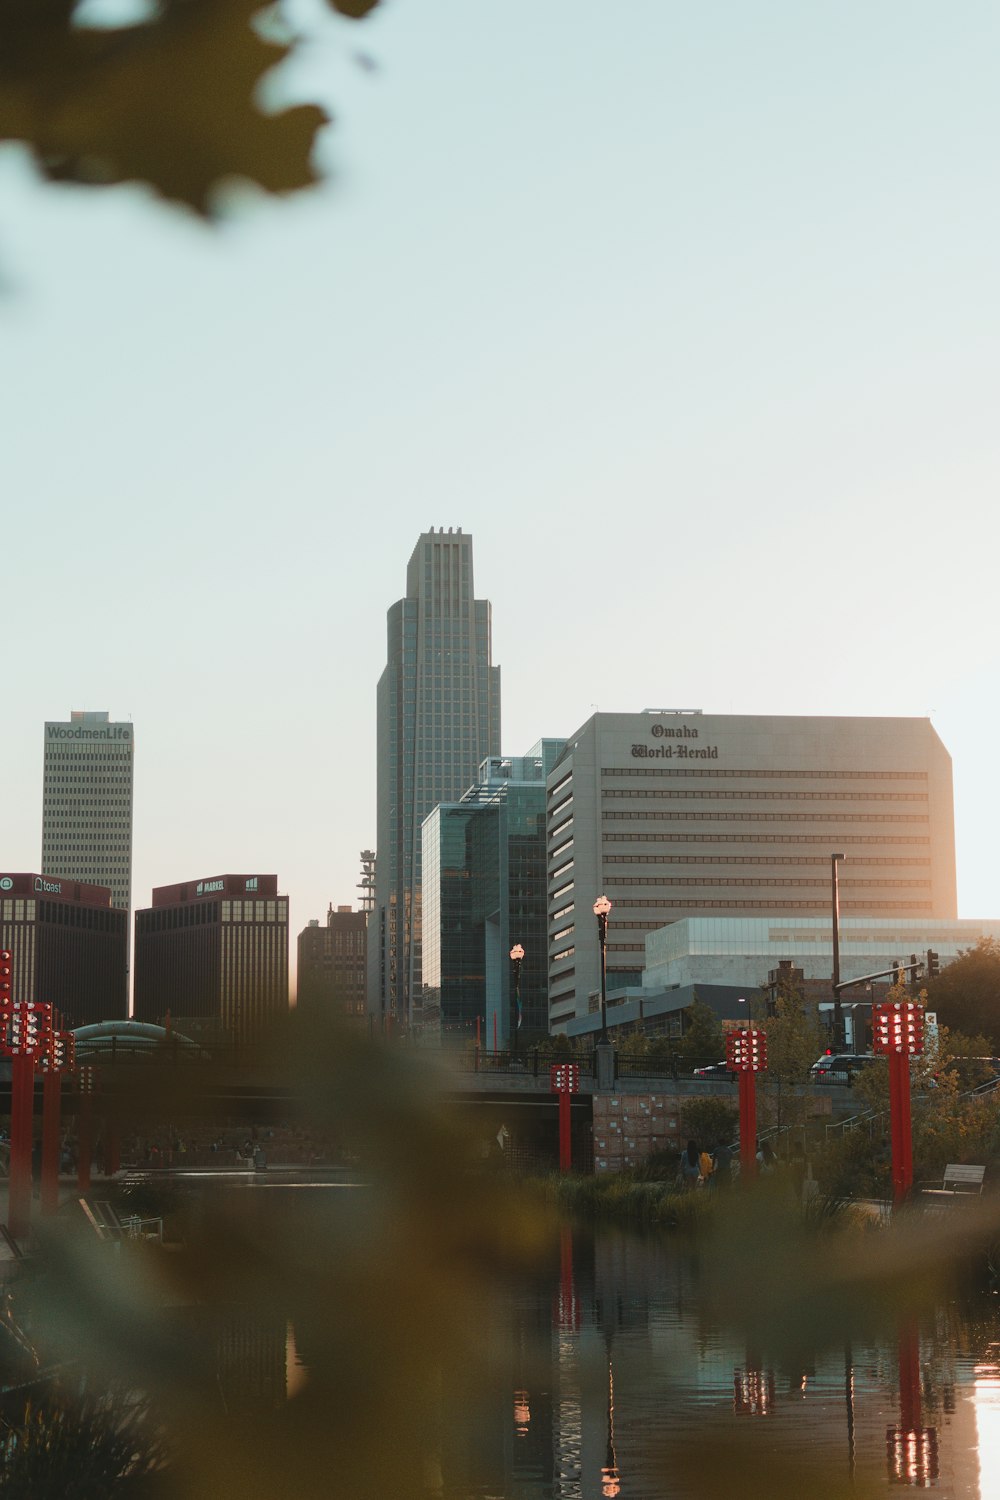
(840, 1067)
(714, 1070)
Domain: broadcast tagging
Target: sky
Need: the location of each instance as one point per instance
(688, 313)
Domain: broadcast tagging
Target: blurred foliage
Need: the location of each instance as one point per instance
(171, 100)
(795, 1038)
(387, 1285)
(966, 994)
(65, 1445)
(709, 1121)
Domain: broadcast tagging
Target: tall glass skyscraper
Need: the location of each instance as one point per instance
(438, 720)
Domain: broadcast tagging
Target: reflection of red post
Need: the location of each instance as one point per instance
(746, 1054)
(567, 1306)
(898, 1034)
(564, 1080)
(911, 1449)
(22, 1109)
(748, 1125)
(51, 1100)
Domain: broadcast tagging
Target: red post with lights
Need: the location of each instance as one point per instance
(25, 1035)
(60, 1060)
(564, 1080)
(898, 1035)
(746, 1054)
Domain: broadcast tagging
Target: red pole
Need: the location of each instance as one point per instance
(85, 1140)
(22, 1107)
(565, 1144)
(114, 1148)
(902, 1127)
(909, 1376)
(748, 1125)
(51, 1102)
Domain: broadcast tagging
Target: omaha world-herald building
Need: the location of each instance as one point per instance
(683, 814)
(214, 954)
(68, 945)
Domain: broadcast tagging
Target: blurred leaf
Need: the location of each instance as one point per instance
(170, 102)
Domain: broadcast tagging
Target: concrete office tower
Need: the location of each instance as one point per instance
(438, 720)
(705, 815)
(87, 803)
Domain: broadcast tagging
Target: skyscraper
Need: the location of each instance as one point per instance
(87, 803)
(438, 719)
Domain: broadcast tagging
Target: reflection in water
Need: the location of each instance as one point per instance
(594, 1379)
(986, 1401)
(911, 1448)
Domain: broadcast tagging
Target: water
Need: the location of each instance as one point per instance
(606, 1379)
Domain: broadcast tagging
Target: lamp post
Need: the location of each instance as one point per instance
(602, 908)
(516, 955)
(838, 1010)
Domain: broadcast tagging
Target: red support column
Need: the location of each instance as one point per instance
(51, 1103)
(22, 1111)
(748, 1125)
(565, 1138)
(113, 1152)
(902, 1127)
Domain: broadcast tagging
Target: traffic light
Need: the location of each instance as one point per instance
(933, 964)
(6, 978)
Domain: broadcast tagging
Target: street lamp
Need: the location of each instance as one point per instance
(838, 1011)
(516, 954)
(602, 907)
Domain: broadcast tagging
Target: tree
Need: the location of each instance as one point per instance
(702, 1040)
(170, 101)
(795, 1038)
(966, 994)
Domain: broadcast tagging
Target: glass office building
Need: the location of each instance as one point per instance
(438, 720)
(484, 891)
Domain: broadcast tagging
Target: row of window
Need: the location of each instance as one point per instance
(810, 906)
(765, 775)
(660, 794)
(768, 817)
(737, 880)
(753, 859)
(755, 838)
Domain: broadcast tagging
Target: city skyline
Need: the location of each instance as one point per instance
(697, 340)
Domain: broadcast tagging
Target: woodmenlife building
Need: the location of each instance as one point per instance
(684, 814)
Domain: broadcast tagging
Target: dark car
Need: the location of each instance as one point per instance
(714, 1070)
(839, 1067)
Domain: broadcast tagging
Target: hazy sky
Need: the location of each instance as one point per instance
(688, 312)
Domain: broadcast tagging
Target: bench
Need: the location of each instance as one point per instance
(958, 1182)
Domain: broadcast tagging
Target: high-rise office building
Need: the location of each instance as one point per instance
(484, 891)
(68, 945)
(87, 803)
(438, 720)
(687, 814)
(214, 954)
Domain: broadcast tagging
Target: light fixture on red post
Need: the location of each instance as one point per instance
(564, 1080)
(54, 1065)
(6, 978)
(85, 1127)
(898, 1034)
(25, 1036)
(746, 1055)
